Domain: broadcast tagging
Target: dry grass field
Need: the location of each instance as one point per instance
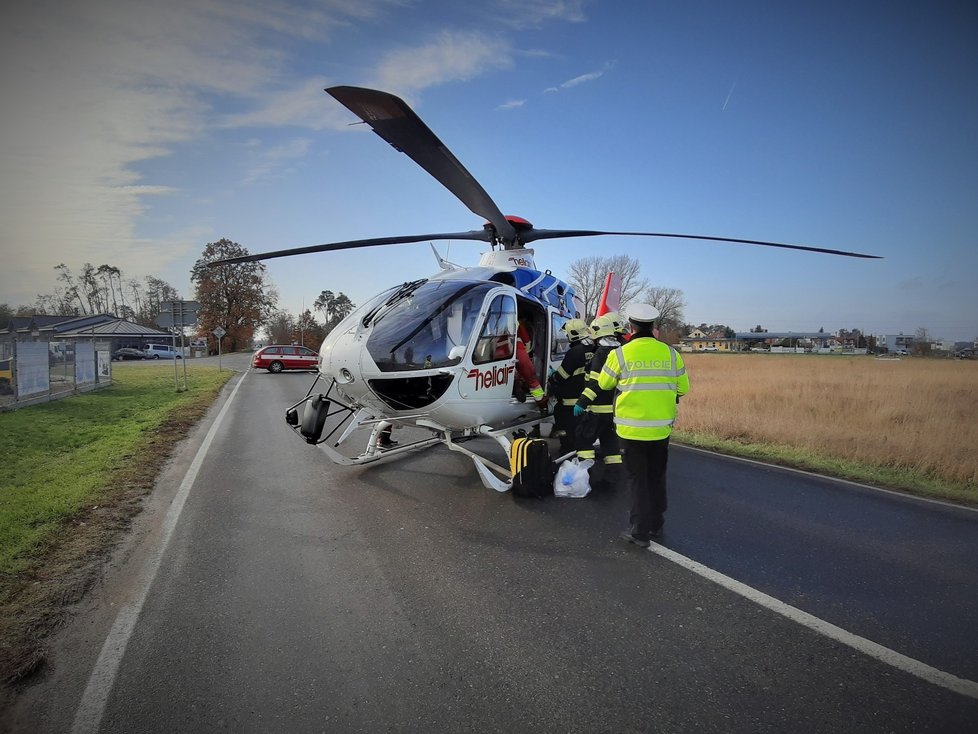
(916, 416)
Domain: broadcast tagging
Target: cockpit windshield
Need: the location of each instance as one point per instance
(419, 329)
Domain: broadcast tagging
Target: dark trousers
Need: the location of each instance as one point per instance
(605, 474)
(600, 427)
(645, 468)
(565, 421)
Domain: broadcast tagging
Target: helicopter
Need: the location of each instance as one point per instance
(439, 353)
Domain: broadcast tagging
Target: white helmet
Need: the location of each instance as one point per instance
(642, 313)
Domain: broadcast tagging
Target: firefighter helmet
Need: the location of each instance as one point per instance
(602, 326)
(576, 329)
(618, 323)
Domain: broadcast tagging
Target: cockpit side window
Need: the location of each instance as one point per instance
(559, 343)
(497, 340)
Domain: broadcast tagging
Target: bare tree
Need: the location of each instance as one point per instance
(922, 341)
(64, 299)
(670, 303)
(280, 327)
(588, 275)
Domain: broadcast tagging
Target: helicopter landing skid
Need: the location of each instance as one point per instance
(483, 467)
(318, 408)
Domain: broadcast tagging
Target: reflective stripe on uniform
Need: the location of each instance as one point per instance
(569, 401)
(606, 408)
(648, 386)
(654, 373)
(643, 424)
(613, 459)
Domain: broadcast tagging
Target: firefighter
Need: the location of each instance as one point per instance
(567, 383)
(650, 377)
(594, 408)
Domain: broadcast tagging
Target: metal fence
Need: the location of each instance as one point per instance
(34, 372)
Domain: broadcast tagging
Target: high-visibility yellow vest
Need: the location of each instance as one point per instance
(650, 376)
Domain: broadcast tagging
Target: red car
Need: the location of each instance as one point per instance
(278, 357)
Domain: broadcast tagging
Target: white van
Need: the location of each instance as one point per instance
(155, 351)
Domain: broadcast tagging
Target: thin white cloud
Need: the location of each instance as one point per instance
(581, 79)
(90, 89)
(300, 105)
(534, 13)
(512, 104)
(451, 56)
(276, 160)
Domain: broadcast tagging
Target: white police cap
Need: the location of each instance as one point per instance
(642, 313)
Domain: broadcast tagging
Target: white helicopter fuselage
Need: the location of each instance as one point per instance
(435, 363)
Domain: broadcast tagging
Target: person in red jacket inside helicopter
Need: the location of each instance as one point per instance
(524, 365)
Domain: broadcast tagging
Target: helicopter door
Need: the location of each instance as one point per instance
(494, 355)
(533, 320)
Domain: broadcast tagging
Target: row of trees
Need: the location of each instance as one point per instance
(239, 298)
(98, 290)
(284, 328)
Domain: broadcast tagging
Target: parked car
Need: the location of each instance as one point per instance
(278, 357)
(125, 353)
(155, 351)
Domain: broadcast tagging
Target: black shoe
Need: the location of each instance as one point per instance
(627, 535)
(388, 444)
(656, 534)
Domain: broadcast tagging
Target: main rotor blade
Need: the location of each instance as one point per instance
(395, 122)
(476, 234)
(552, 234)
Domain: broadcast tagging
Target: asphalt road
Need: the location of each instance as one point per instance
(299, 596)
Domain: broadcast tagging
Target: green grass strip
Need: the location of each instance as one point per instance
(890, 477)
(62, 457)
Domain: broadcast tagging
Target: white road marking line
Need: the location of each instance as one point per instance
(884, 654)
(88, 718)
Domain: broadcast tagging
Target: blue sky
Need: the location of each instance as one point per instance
(133, 133)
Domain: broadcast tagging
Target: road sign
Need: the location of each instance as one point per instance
(178, 306)
(219, 332)
(169, 319)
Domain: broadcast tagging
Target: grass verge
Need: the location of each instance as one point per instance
(895, 478)
(73, 475)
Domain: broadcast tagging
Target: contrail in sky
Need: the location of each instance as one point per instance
(729, 94)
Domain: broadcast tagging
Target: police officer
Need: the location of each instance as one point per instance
(595, 407)
(651, 377)
(567, 383)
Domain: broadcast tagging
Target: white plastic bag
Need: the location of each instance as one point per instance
(572, 478)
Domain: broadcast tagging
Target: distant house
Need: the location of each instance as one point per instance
(699, 341)
(896, 343)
